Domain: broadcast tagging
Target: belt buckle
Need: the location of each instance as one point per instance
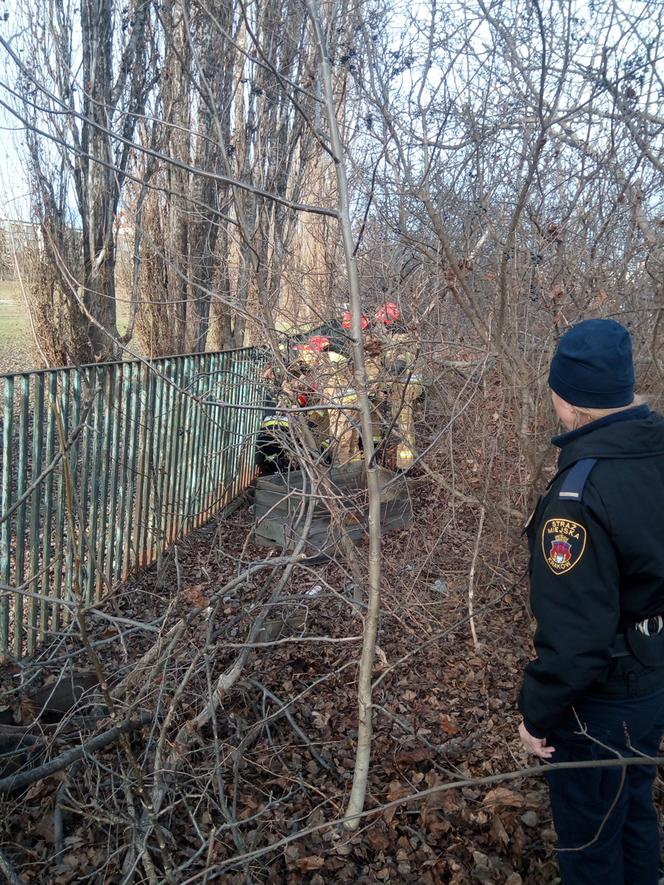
(650, 626)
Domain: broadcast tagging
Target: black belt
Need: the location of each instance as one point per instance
(620, 649)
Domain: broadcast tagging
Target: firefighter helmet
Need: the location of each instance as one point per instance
(387, 313)
(347, 321)
(318, 343)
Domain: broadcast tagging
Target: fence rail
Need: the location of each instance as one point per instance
(103, 466)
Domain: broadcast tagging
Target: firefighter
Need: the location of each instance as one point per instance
(377, 387)
(379, 393)
(315, 354)
(334, 379)
(595, 690)
(399, 360)
(276, 445)
(274, 450)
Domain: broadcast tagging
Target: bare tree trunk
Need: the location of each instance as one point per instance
(364, 731)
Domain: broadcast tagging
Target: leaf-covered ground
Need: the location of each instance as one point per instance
(445, 712)
(252, 795)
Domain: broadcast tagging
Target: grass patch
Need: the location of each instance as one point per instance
(17, 350)
(10, 289)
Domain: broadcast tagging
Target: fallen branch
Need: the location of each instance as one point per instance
(231, 674)
(471, 580)
(534, 771)
(9, 872)
(176, 631)
(283, 711)
(18, 781)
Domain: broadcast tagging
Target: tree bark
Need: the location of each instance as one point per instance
(365, 712)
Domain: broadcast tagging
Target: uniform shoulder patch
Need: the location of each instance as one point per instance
(563, 544)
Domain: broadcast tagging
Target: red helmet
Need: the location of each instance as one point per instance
(387, 313)
(346, 321)
(319, 343)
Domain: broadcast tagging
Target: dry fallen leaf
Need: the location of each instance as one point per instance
(505, 797)
(312, 862)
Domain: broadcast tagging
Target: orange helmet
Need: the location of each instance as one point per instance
(346, 321)
(387, 313)
(319, 343)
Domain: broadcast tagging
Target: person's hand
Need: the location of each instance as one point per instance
(536, 746)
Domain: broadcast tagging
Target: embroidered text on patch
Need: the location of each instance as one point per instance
(563, 544)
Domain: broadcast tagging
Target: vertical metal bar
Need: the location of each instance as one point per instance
(186, 431)
(190, 414)
(59, 541)
(255, 370)
(47, 528)
(134, 480)
(104, 467)
(177, 434)
(249, 373)
(124, 474)
(190, 432)
(242, 392)
(250, 419)
(245, 418)
(114, 467)
(195, 451)
(168, 405)
(143, 393)
(89, 437)
(233, 418)
(155, 541)
(202, 440)
(224, 417)
(204, 455)
(214, 453)
(90, 487)
(23, 439)
(152, 540)
(74, 468)
(220, 438)
(6, 527)
(195, 460)
(35, 507)
(143, 489)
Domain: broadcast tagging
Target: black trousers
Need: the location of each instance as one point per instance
(605, 819)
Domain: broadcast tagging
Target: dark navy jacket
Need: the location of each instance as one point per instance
(596, 566)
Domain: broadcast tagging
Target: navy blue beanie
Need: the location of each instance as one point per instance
(592, 366)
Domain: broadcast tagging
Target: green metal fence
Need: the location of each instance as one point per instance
(104, 466)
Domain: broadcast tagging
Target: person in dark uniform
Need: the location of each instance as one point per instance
(596, 688)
